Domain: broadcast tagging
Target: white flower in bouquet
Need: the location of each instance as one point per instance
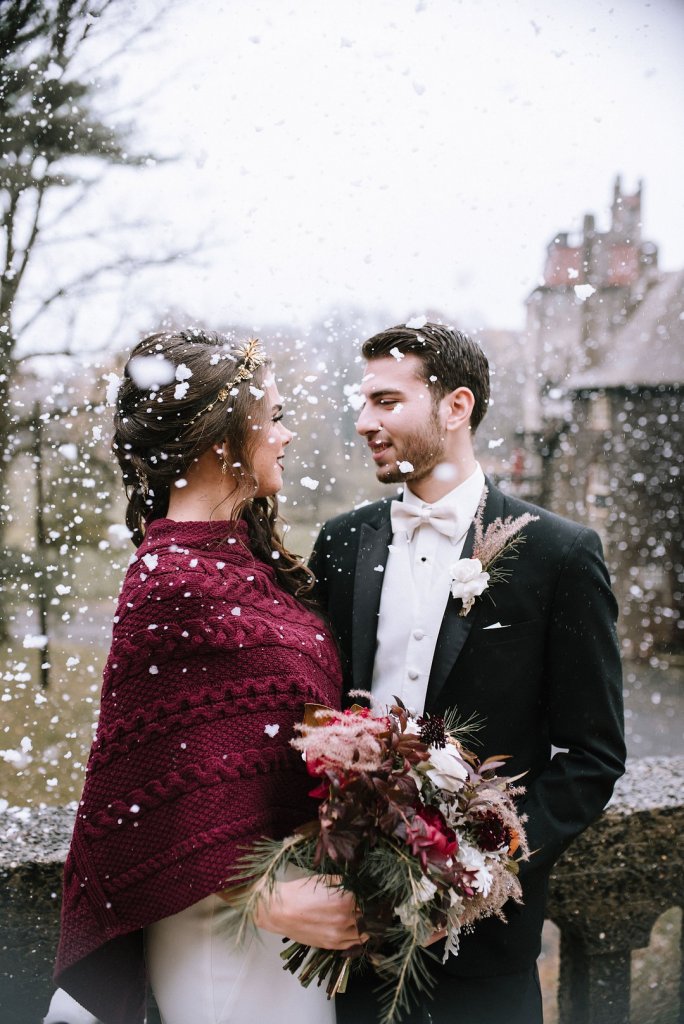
(408, 911)
(446, 768)
(468, 581)
(473, 859)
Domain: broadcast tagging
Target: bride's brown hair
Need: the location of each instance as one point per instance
(198, 396)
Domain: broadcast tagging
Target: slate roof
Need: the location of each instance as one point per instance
(649, 349)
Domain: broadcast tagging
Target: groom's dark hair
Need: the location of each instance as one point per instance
(449, 360)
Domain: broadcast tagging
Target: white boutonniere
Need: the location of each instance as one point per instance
(468, 581)
(470, 577)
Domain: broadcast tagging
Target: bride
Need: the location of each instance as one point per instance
(216, 648)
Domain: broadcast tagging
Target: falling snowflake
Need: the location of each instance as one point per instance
(151, 372)
(405, 467)
(354, 397)
(37, 642)
(69, 451)
(118, 533)
(307, 481)
(113, 384)
(272, 730)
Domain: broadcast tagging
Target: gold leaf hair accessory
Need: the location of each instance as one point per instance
(249, 359)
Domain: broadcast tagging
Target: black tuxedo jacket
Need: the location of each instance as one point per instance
(550, 678)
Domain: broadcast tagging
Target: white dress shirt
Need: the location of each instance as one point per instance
(415, 591)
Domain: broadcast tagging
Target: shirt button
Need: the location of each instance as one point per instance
(413, 673)
(418, 634)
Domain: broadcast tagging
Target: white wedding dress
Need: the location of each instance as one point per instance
(199, 976)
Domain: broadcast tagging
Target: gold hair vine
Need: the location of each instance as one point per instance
(249, 359)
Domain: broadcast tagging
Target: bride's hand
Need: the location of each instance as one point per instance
(310, 911)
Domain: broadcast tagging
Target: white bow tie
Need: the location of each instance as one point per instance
(407, 518)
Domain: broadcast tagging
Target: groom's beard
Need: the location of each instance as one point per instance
(424, 450)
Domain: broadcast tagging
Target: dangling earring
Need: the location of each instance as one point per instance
(223, 456)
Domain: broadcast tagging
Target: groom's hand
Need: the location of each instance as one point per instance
(312, 911)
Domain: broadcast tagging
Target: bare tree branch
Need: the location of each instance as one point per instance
(9, 228)
(127, 45)
(33, 234)
(85, 185)
(125, 264)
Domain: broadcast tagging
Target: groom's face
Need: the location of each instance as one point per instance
(399, 421)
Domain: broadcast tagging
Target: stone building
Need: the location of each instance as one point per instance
(591, 286)
(618, 463)
(603, 412)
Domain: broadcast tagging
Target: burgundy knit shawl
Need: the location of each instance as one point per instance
(210, 666)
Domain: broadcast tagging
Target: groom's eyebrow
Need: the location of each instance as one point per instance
(385, 393)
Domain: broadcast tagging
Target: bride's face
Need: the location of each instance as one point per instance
(272, 440)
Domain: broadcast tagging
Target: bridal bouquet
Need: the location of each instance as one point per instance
(414, 825)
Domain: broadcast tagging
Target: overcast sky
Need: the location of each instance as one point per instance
(394, 154)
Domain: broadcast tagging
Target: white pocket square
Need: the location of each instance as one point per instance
(495, 625)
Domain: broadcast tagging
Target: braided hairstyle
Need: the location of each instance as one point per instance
(169, 413)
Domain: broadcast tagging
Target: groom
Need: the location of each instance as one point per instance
(535, 658)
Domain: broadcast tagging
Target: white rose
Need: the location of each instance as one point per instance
(468, 580)
(446, 768)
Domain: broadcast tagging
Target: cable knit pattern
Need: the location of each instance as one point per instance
(207, 651)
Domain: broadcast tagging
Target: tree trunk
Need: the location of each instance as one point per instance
(7, 369)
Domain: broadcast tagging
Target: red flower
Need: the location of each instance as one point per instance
(430, 838)
(321, 791)
(316, 766)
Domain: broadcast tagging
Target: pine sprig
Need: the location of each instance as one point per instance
(404, 975)
(462, 729)
(259, 869)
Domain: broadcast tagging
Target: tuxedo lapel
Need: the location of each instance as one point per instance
(455, 628)
(370, 566)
